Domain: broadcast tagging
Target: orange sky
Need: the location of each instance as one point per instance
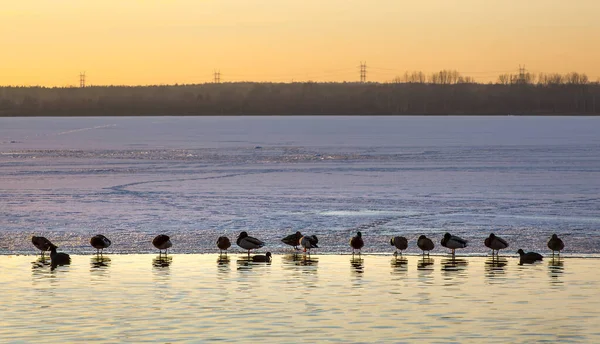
(49, 42)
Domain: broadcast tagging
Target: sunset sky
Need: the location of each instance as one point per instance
(46, 42)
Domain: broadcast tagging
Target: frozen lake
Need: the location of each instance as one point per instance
(196, 178)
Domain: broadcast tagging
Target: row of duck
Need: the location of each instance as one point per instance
(308, 242)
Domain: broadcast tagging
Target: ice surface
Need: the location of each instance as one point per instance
(195, 179)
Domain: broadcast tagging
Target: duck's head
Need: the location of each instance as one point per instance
(447, 236)
(268, 254)
(243, 235)
(392, 241)
(359, 234)
(422, 237)
(492, 236)
(520, 252)
(554, 236)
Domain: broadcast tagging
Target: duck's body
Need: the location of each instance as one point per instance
(529, 257)
(453, 242)
(266, 258)
(41, 243)
(495, 243)
(556, 244)
(356, 242)
(308, 242)
(223, 243)
(248, 243)
(425, 244)
(99, 242)
(401, 243)
(162, 242)
(293, 239)
(58, 258)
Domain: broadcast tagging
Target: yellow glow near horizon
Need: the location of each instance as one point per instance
(183, 41)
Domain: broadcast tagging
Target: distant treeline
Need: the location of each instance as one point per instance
(413, 94)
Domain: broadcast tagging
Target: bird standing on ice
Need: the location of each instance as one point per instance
(453, 242)
(308, 242)
(357, 242)
(401, 243)
(425, 244)
(162, 242)
(248, 243)
(41, 243)
(99, 242)
(223, 244)
(555, 244)
(495, 243)
(293, 240)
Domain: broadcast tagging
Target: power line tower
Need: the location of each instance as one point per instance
(217, 77)
(521, 79)
(363, 72)
(82, 80)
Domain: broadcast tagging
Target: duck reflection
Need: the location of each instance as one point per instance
(299, 260)
(40, 267)
(162, 261)
(494, 266)
(555, 269)
(357, 264)
(454, 264)
(399, 264)
(99, 262)
(425, 263)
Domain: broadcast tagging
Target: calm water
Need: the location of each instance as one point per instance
(197, 178)
(327, 298)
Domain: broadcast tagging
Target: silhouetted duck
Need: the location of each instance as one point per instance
(529, 257)
(400, 243)
(223, 244)
(41, 243)
(555, 244)
(357, 242)
(293, 239)
(425, 244)
(99, 242)
(248, 243)
(266, 258)
(495, 243)
(308, 242)
(58, 258)
(453, 242)
(162, 242)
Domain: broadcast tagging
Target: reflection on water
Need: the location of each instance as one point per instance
(357, 264)
(556, 269)
(425, 263)
(99, 262)
(399, 264)
(494, 267)
(246, 263)
(162, 261)
(454, 264)
(539, 303)
(299, 260)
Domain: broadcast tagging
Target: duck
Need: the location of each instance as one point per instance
(425, 244)
(99, 242)
(308, 242)
(223, 244)
(453, 242)
(556, 244)
(41, 243)
(400, 242)
(162, 242)
(248, 243)
(58, 258)
(266, 258)
(529, 257)
(357, 242)
(293, 239)
(495, 243)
